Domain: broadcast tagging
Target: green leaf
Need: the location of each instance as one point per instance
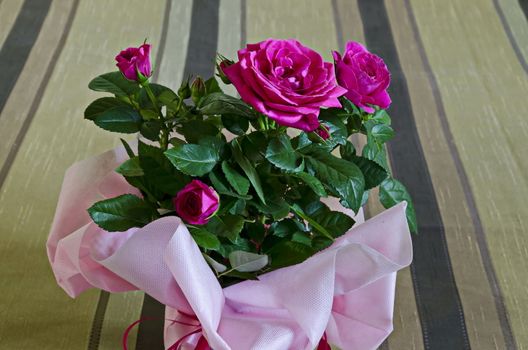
(317, 227)
(228, 226)
(215, 264)
(382, 133)
(376, 152)
(341, 176)
(221, 186)
(286, 228)
(123, 119)
(204, 238)
(312, 182)
(127, 148)
(249, 169)
(237, 181)
(150, 129)
(122, 213)
(160, 174)
(148, 114)
(247, 262)
(195, 130)
(164, 96)
(381, 116)
(347, 151)
(114, 83)
(194, 160)
(235, 124)
(276, 207)
(102, 105)
(335, 222)
(373, 173)
(281, 153)
(287, 253)
(211, 86)
(393, 192)
(254, 146)
(130, 167)
(219, 103)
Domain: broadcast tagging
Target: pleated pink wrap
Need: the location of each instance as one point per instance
(345, 291)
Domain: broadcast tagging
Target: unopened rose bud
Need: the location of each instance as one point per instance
(220, 66)
(197, 90)
(321, 133)
(184, 91)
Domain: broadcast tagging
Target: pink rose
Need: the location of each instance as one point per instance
(135, 59)
(196, 203)
(286, 81)
(364, 75)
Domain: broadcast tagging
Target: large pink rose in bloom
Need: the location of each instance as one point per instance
(286, 81)
(364, 75)
(135, 59)
(196, 203)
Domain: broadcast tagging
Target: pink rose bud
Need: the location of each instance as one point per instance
(286, 81)
(135, 60)
(196, 203)
(364, 75)
(323, 132)
(220, 66)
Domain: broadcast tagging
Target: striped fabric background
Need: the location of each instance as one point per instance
(460, 93)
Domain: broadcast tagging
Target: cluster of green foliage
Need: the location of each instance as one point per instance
(270, 183)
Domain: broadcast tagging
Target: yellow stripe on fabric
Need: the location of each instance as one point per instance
(484, 89)
(175, 51)
(473, 285)
(9, 10)
(229, 34)
(122, 310)
(37, 313)
(310, 22)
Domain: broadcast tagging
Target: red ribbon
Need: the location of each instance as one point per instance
(323, 343)
(202, 342)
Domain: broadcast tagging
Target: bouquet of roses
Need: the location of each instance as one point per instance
(239, 213)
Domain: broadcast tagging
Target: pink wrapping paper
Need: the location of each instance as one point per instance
(345, 291)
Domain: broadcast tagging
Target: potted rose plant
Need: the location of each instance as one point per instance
(238, 213)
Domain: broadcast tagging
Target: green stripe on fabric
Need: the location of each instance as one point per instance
(437, 297)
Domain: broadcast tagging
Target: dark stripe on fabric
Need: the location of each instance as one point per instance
(19, 43)
(482, 243)
(203, 39)
(243, 25)
(98, 320)
(201, 54)
(163, 40)
(509, 34)
(38, 97)
(437, 297)
(524, 6)
(150, 333)
(384, 345)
